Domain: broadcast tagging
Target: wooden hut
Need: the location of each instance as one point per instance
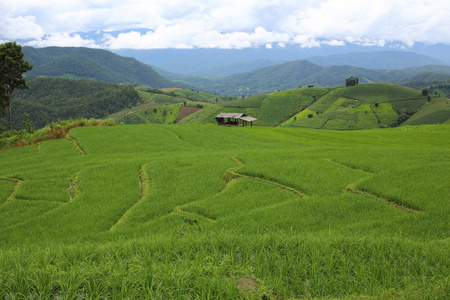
(234, 119)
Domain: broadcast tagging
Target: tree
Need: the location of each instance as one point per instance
(424, 92)
(12, 67)
(352, 81)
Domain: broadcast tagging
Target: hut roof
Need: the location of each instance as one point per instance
(230, 115)
(248, 118)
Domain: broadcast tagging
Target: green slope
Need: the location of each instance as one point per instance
(434, 112)
(210, 212)
(96, 64)
(364, 106)
(163, 106)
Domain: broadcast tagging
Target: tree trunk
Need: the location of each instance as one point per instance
(10, 115)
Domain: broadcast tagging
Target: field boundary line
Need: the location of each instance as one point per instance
(349, 166)
(352, 189)
(176, 134)
(179, 209)
(73, 188)
(16, 182)
(144, 187)
(76, 145)
(271, 206)
(180, 138)
(237, 160)
(324, 123)
(231, 174)
(376, 116)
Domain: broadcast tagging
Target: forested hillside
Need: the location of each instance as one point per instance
(293, 74)
(95, 64)
(49, 99)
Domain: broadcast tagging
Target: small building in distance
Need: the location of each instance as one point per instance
(234, 119)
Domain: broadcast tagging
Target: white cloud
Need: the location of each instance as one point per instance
(20, 28)
(227, 23)
(334, 43)
(62, 40)
(191, 36)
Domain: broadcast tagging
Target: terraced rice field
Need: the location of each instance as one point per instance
(208, 212)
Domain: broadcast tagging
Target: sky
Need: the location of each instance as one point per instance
(228, 24)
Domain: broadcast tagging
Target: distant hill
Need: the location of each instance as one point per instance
(93, 64)
(264, 80)
(105, 66)
(202, 61)
(425, 80)
(303, 73)
(363, 106)
(388, 60)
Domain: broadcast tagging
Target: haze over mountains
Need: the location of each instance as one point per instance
(211, 62)
(243, 72)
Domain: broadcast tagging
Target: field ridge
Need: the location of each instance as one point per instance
(16, 186)
(309, 214)
(76, 145)
(232, 174)
(353, 189)
(144, 186)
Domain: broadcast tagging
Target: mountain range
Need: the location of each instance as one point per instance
(105, 66)
(299, 73)
(212, 62)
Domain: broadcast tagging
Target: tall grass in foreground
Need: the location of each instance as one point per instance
(274, 266)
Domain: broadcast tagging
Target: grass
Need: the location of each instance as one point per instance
(208, 212)
(206, 115)
(197, 95)
(436, 111)
(55, 130)
(365, 106)
(250, 102)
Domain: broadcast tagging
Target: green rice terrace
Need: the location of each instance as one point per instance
(199, 211)
(365, 106)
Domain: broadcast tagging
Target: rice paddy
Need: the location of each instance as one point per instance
(209, 212)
